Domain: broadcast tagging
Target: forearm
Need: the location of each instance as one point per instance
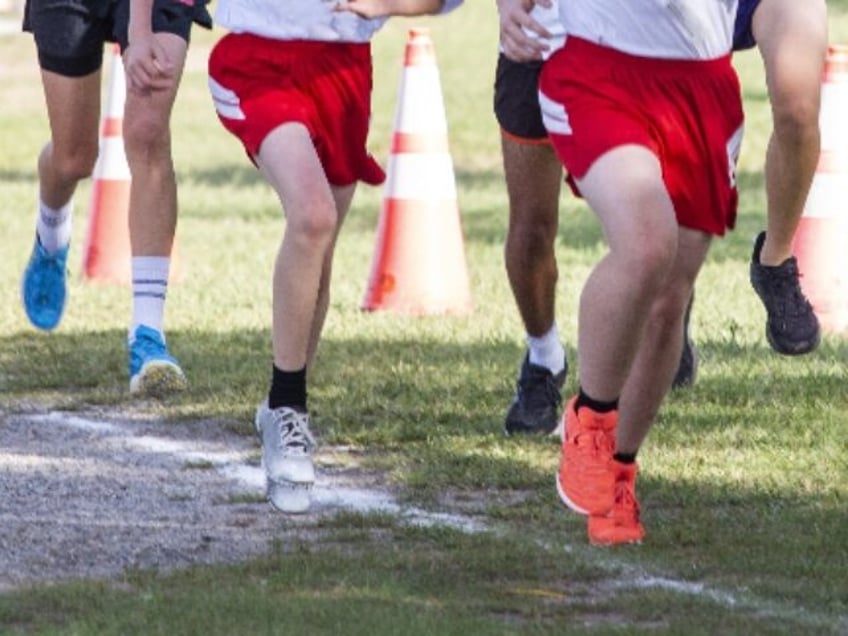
(413, 7)
(141, 12)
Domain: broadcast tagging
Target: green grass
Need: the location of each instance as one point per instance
(743, 480)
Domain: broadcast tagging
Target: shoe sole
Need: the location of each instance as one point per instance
(795, 349)
(289, 497)
(35, 321)
(688, 381)
(635, 538)
(517, 427)
(569, 503)
(607, 543)
(561, 491)
(518, 431)
(44, 325)
(157, 379)
(257, 424)
(559, 429)
(799, 349)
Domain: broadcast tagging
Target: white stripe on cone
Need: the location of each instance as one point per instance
(107, 246)
(419, 263)
(820, 241)
(112, 160)
(423, 111)
(421, 176)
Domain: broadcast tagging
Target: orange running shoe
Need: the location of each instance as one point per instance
(586, 480)
(621, 524)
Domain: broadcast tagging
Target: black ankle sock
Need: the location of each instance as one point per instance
(596, 405)
(625, 458)
(288, 388)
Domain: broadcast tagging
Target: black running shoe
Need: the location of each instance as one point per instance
(538, 398)
(791, 327)
(687, 370)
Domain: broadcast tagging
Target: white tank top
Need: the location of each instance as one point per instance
(548, 18)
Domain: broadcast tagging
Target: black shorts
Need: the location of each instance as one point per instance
(70, 34)
(743, 37)
(517, 99)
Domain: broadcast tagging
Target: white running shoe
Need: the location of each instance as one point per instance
(287, 456)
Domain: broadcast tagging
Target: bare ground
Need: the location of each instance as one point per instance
(90, 495)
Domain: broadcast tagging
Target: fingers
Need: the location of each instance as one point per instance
(148, 67)
(517, 37)
(360, 8)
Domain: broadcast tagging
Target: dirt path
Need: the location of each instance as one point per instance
(92, 494)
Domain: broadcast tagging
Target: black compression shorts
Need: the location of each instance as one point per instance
(70, 34)
(517, 99)
(743, 37)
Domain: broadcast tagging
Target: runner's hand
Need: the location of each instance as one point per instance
(515, 18)
(147, 65)
(382, 8)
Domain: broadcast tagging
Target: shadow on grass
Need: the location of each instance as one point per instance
(433, 412)
(736, 375)
(17, 176)
(236, 174)
(426, 381)
(580, 229)
(484, 218)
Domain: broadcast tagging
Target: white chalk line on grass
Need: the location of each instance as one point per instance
(233, 466)
(757, 606)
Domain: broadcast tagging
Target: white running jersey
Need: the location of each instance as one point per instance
(676, 29)
(300, 20)
(548, 18)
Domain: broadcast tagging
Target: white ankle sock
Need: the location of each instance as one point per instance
(547, 350)
(150, 287)
(54, 226)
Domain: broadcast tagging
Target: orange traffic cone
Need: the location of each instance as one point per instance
(419, 262)
(821, 240)
(107, 246)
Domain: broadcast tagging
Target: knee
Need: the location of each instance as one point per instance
(670, 306)
(652, 260)
(796, 119)
(146, 135)
(532, 241)
(73, 165)
(315, 229)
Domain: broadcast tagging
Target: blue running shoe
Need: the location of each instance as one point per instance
(153, 371)
(44, 288)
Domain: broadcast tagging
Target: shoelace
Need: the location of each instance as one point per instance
(785, 283)
(295, 437)
(50, 270)
(537, 394)
(149, 346)
(595, 442)
(625, 499)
